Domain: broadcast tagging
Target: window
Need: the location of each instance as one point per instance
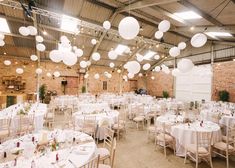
(105, 85)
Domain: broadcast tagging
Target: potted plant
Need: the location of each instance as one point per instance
(83, 89)
(42, 92)
(165, 94)
(224, 95)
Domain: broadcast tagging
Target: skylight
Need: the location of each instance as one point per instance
(218, 34)
(4, 26)
(188, 15)
(121, 49)
(69, 23)
(149, 55)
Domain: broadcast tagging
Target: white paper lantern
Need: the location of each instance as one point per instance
(32, 30)
(164, 26)
(111, 65)
(88, 63)
(38, 71)
(19, 70)
(130, 75)
(146, 66)
(166, 70)
(158, 34)
(157, 69)
(93, 41)
(182, 45)
(119, 71)
(133, 67)
(2, 36)
(56, 74)
(34, 57)
(185, 65)
(175, 72)
(112, 55)
(79, 52)
(152, 77)
(107, 25)
(174, 51)
(125, 66)
(139, 57)
(2, 43)
(39, 39)
(128, 28)
(140, 74)
(109, 75)
(7, 62)
(83, 64)
(64, 39)
(70, 59)
(96, 76)
(24, 31)
(41, 47)
(96, 56)
(75, 48)
(198, 40)
(55, 56)
(86, 76)
(127, 50)
(157, 57)
(49, 74)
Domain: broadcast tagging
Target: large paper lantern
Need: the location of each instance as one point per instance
(112, 55)
(130, 75)
(128, 28)
(164, 26)
(83, 64)
(39, 39)
(2, 43)
(107, 25)
(198, 40)
(111, 65)
(157, 69)
(41, 47)
(174, 51)
(56, 74)
(38, 71)
(79, 52)
(96, 56)
(175, 72)
(182, 45)
(158, 34)
(70, 59)
(55, 56)
(7, 62)
(185, 65)
(64, 39)
(133, 67)
(32, 30)
(139, 57)
(146, 66)
(34, 57)
(19, 70)
(96, 76)
(24, 31)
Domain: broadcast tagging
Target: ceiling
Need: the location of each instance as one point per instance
(217, 15)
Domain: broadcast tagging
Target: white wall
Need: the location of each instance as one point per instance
(194, 85)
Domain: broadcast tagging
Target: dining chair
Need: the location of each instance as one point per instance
(105, 152)
(49, 118)
(90, 126)
(93, 163)
(227, 148)
(200, 149)
(163, 138)
(151, 128)
(139, 117)
(5, 128)
(119, 127)
(111, 165)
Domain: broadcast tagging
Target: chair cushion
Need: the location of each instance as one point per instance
(224, 139)
(103, 152)
(193, 149)
(104, 166)
(139, 118)
(168, 138)
(223, 146)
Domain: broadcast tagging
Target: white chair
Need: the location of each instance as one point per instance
(5, 124)
(200, 149)
(139, 116)
(90, 126)
(93, 163)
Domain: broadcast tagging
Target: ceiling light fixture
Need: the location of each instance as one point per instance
(187, 15)
(149, 55)
(218, 34)
(4, 26)
(120, 49)
(69, 23)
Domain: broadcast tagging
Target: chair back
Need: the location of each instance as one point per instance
(5, 124)
(89, 121)
(113, 152)
(93, 163)
(230, 136)
(203, 139)
(108, 140)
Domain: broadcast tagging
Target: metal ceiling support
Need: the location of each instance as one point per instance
(144, 4)
(206, 16)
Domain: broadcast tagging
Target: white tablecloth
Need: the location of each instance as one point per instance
(91, 107)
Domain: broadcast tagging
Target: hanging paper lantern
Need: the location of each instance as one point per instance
(39, 39)
(88, 63)
(93, 41)
(2, 43)
(130, 75)
(128, 28)
(127, 51)
(107, 25)
(2, 36)
(152, 77)
(158, 34)
(157, 69)
(166, 70)
(175, 72)
(83, 64)
(96, 56)
(164, 26)
(140, 74)
(111, 65)
(185, 65)
(119, 71)
(41, 47)
(34, 57)
(112, 55)
(86, 76)
(157, 57)
(38, 71)
(56, 74)
(49, 74)
(7, 62)
(139, 57)
(124, 77)
(96, 76)
(174, 51)
(55, 56)
(79, 52)
(64, 39)
(32, 30)
(198, 40)
(24, 31)
(70, 59)
(133, 67)
(146, 66)
(182, 45)
(19, 70)
(109, 75)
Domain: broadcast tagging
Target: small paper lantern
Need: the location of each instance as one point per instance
(19, 70)
(198, 40)
(111, 65)
(112, 55)
(96, 56)
(146, 66)
(56, 74)
(83, 64)
(185, 65)
(157, 69)
(182, 45)
(41, 47)
(96, 76)
(49, 74)
(107, 25)
(157, 57)
(93, 41)
(32, 30)
(39, 39)
(38, 71)
(158, 34)
(34, 57)
(24, 31)
(79, 52)
(174, 51)
(7, 62)
(164, 26)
